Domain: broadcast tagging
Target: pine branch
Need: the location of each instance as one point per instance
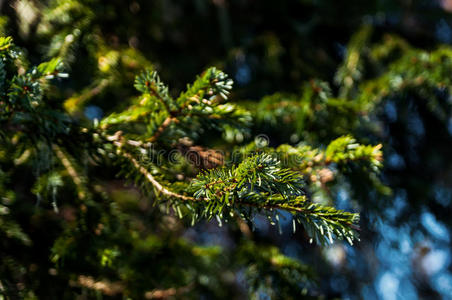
(149, 82)
(161, 129)
(194, 109)
(204, 90)
(259, 183)
(256, 184)
(152, 180)
(6, 43)
(168, 293)
(103, 286)
(345, 149)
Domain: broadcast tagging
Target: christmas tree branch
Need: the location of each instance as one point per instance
(259, 183)
(153, 181)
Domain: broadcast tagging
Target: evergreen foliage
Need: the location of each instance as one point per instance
(257, 184)
(105, 206)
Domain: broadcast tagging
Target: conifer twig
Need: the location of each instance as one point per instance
(162, 128)
(153, 181)
(164, 294)
(71, 171)
(159, 187)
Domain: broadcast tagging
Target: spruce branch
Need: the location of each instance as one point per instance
(149, 82)
(6, 43)
(205, 89)
(161, 129)
(199, 106)
(345, 149)
(259, 183)
(152, 180)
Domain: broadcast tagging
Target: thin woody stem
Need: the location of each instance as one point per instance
(158, 96)
(169, 193)
(76, 178)
(154, 182)
(162, 128)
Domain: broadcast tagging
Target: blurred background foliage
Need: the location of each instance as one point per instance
(309, 71)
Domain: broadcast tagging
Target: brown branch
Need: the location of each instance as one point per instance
(162, 128)
(105, 287)
(169, 193)
(115, 288)
(171, 292)
(76, 178)
(154, 182)
(158, 96)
